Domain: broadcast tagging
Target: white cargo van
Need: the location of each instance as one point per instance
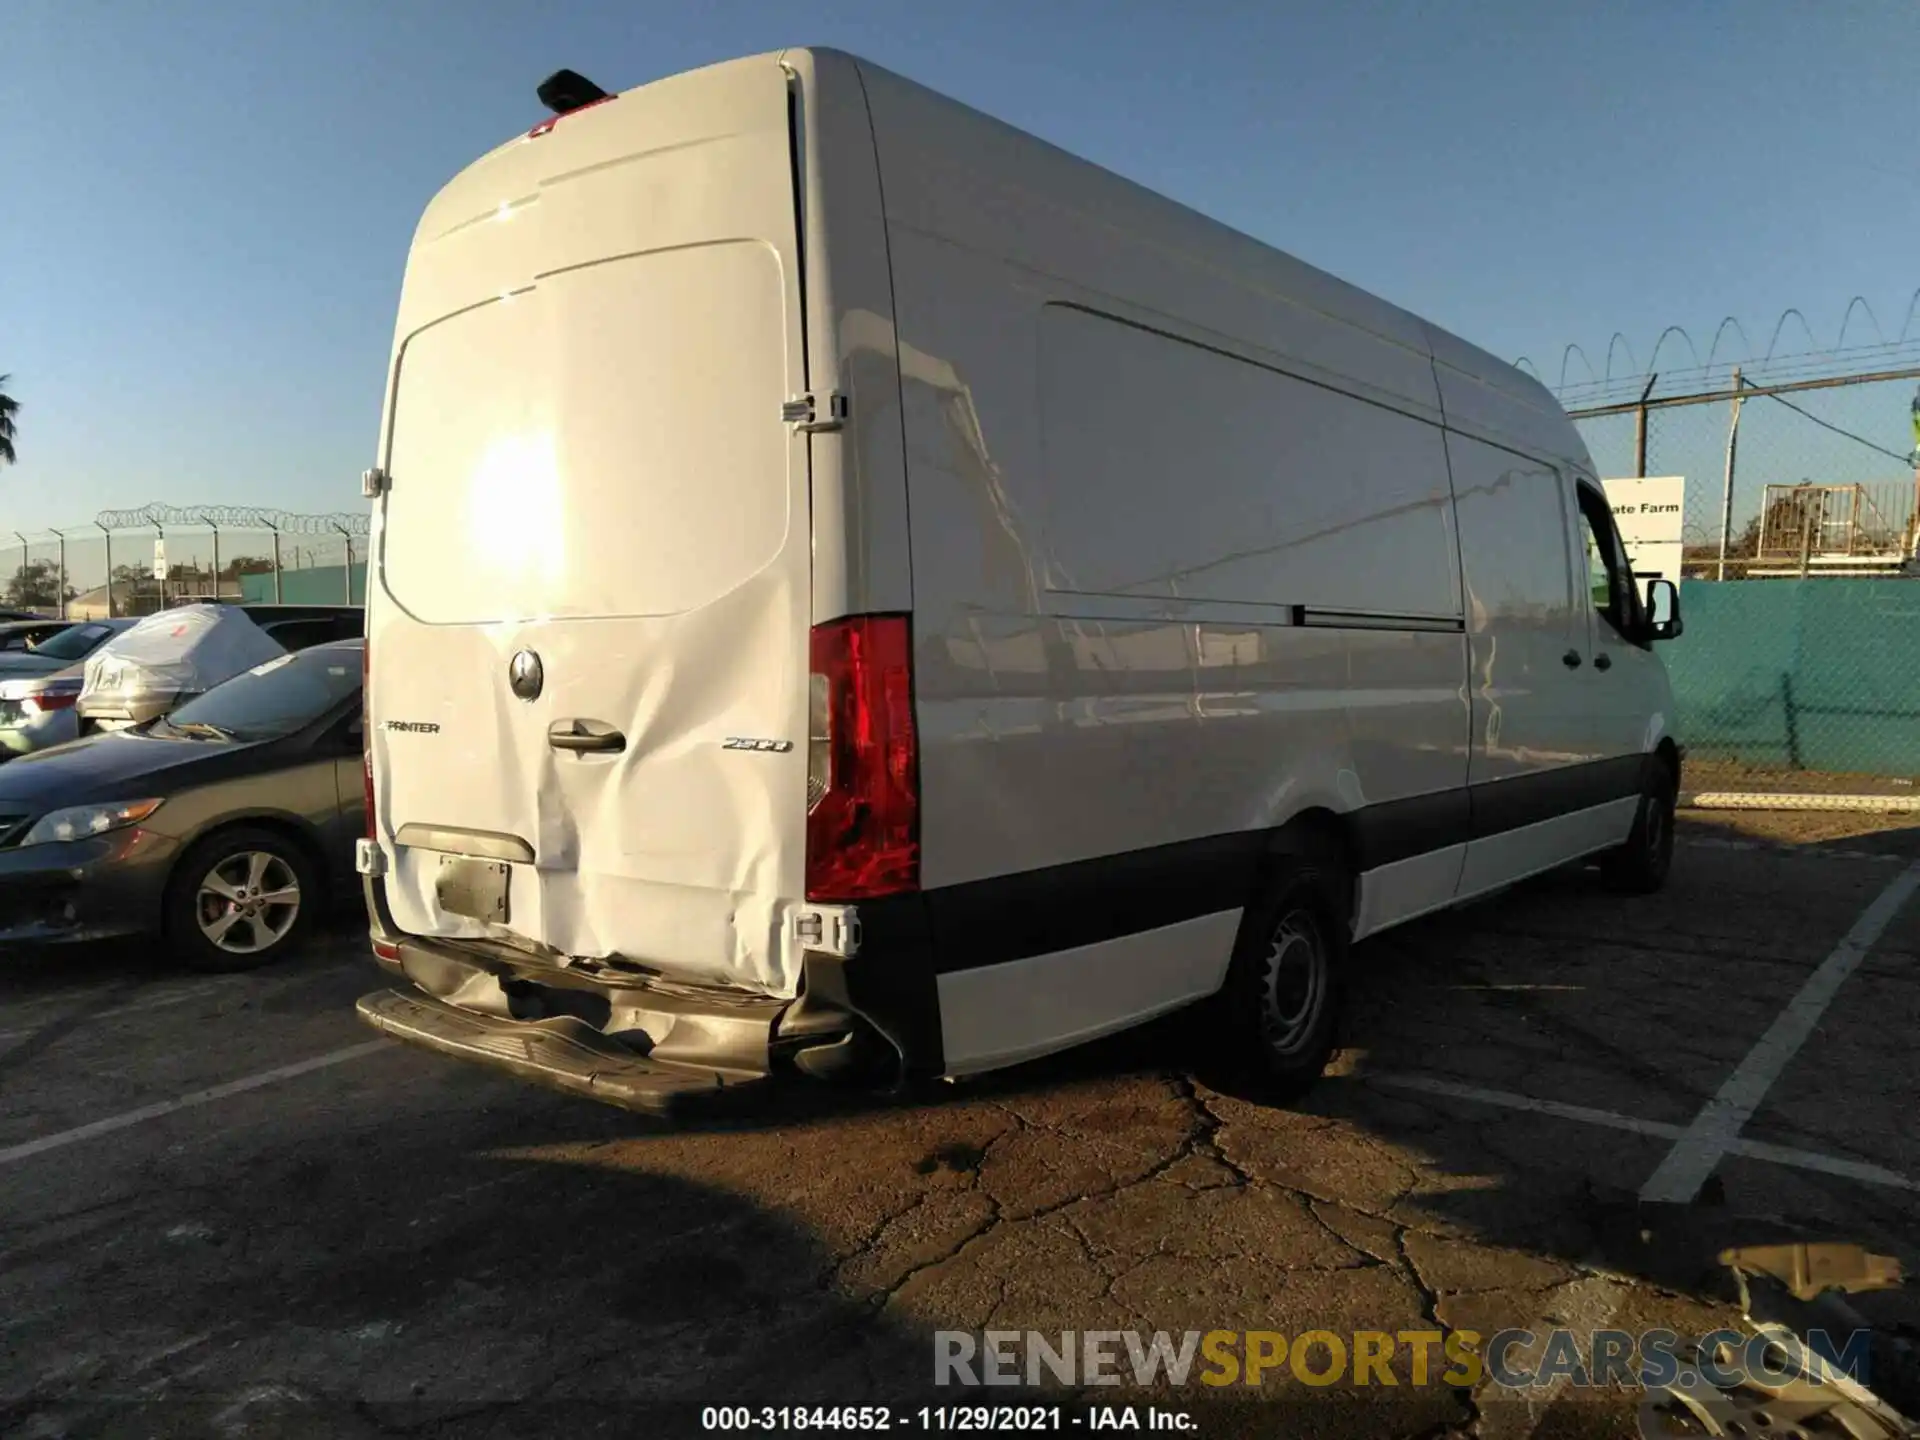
(861, 592)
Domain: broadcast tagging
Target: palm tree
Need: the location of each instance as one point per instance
(9, 407)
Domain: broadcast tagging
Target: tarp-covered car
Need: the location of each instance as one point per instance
(167, 659)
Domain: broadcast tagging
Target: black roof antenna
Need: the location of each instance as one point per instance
(567, 90)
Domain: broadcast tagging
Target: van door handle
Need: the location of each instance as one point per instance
(1571, 659)
(585, 737)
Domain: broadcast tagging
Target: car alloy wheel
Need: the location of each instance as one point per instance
(248, 902)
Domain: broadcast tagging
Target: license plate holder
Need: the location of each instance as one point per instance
(476, 889)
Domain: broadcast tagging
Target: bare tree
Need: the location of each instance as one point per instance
(9, 407)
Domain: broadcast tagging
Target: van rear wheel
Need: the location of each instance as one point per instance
(1285, 984)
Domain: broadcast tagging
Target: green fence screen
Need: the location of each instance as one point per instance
(1800, 675)
(317, 585)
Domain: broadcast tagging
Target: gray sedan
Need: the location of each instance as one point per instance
(21, 642)
(227, 826)
(37, 693)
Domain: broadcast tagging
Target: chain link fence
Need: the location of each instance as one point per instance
(134, 562)
(1799, 669)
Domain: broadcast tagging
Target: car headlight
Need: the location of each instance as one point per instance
(79, 822)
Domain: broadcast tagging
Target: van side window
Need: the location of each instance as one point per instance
(1599, 578)
(1609, 577)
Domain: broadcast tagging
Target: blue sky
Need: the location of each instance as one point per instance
(207, 203)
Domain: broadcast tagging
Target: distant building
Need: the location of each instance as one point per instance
(143, 597)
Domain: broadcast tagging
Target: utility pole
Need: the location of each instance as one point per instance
(109, 534)
(1640, 429)
(1914, 547)
(1726, 487)
(63, 573)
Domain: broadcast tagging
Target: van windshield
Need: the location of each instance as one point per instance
(605, 443)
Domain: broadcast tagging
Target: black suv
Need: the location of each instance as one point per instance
(295, 627)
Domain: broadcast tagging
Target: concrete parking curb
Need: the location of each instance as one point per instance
(1786, 800)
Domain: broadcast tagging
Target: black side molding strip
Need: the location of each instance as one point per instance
(1418, 825)
(1503, 805)
(1088, 902)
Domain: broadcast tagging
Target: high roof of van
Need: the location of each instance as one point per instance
(1476, 390)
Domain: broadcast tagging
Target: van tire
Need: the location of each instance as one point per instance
(1283, 998)
(229, 853)
(1641, 865)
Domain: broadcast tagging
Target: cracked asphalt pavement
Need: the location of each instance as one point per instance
(387, 1243)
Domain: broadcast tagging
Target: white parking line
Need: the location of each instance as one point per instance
(138, 1007)
(76, 994)
(1716, 1129)
(29, 1148)
(1434, 1085)
(156, 998)
(1659, 1129)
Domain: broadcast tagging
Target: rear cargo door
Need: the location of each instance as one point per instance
(589, 631)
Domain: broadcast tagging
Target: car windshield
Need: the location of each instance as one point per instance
(76, 642)
(274, 699)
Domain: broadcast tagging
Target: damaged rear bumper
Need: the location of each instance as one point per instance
(563, 1053)
(648, 1043)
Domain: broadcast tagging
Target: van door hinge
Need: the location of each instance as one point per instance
(803, 413)
(374, 483)
(834, 929)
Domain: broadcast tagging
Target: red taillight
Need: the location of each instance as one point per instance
(366, 735)
(51, 700)
(863, 790)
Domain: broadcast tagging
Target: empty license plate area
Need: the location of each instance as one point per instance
(476, 889)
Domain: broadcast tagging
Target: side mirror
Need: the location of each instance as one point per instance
(1663, 610)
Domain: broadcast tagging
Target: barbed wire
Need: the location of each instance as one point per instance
(1770, 366)
(158, 515)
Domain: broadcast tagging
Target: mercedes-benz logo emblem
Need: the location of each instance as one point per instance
(526, 675)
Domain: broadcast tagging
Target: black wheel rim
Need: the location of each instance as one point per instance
(1293, 984)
